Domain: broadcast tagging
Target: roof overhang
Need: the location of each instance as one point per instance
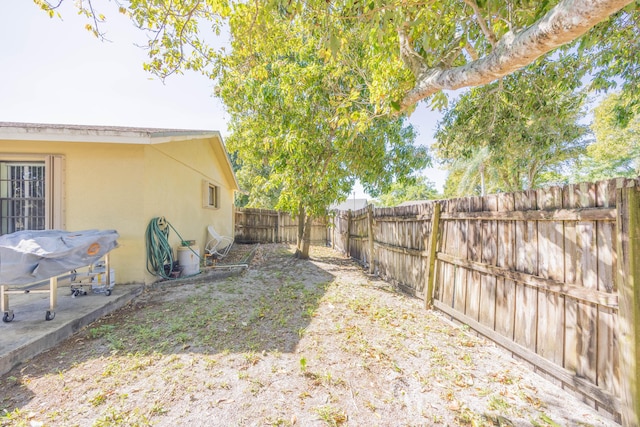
(45, 132)
(97, 134)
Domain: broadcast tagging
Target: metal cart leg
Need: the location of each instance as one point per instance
(53, 298)
(4, 305)
(107, 288)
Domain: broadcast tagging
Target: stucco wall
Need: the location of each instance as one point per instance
(123, 186)
(174, 189)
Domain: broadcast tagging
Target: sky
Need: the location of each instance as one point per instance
(53, 70)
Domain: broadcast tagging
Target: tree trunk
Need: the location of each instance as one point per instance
(304, 235)
(299, 235)
(306, 240)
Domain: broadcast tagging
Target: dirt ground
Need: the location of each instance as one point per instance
(288, 342)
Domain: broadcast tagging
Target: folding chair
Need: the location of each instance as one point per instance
(218, 246)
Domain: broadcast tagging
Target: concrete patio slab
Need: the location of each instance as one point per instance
(30, 334)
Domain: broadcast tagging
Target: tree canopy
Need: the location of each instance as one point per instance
(414, 48)
(505, 135)
(303, 125)
(616, 149)
(420, 188)
(612, 53)
(310, 79)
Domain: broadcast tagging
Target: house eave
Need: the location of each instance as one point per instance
(94, 134)
(98, 134)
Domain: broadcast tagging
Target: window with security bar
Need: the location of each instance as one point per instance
(31, 192)
(22, 196)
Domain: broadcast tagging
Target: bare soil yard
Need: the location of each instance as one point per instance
(288, 342)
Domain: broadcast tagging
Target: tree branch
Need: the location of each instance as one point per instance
(473, 54)
(455, 49)
(567, 21)
(409, 56)
(483, 25)
(47, 5)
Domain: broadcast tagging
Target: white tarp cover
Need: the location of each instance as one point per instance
(31, 256)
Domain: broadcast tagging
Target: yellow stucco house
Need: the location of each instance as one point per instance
(75, 178)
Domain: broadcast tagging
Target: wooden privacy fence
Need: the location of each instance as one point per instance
(268, 226)
(552, 275)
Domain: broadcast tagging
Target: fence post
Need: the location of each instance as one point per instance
(371, 239)
(333, 230)
(433, 246)
(346, 244)
(628, 242)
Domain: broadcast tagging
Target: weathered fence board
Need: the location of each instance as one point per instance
(506, 288)
(433, 233)
(628, 277)
(550, 313)
(608, 356)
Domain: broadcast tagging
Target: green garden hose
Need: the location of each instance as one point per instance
(159, 252)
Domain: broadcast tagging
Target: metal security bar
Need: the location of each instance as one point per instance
(22, 196)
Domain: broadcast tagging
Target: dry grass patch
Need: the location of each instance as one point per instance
(289, 342)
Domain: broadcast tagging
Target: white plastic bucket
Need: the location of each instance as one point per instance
(189, 259)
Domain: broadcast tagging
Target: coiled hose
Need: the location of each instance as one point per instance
(159, 252)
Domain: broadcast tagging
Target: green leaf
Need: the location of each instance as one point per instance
(334, 44)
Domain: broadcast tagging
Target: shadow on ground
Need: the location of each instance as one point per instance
(265, 309)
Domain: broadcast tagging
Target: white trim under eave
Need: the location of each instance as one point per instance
(102, 136)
